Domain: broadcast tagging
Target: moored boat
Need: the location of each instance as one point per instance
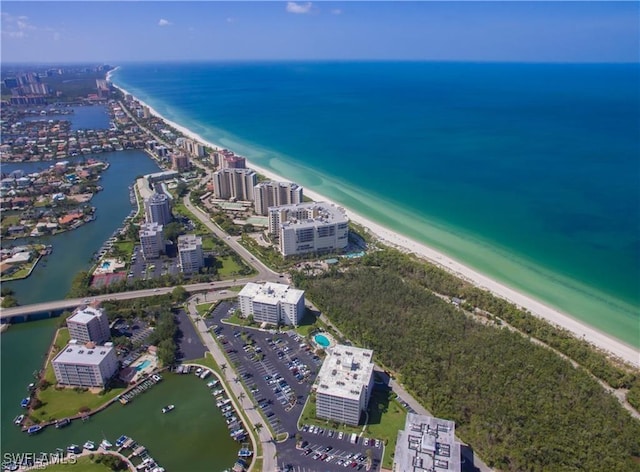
(18, 420)
(36, 428)
(121, 440)
(105, 444)
(63, 422)
(74, 448)
(90, 445)
(168, 408)
(25, 402)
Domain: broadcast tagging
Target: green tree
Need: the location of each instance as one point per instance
(179, 294)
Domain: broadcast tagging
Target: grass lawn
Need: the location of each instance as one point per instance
(307, 325)
(230, 268)
(126, 247)
(236, 320)
(386, 418)
(10, 220)
(81, 464)
(203, 308)
(57, 404)
(208, 361)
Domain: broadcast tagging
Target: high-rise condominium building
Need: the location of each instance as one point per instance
(427, 443)
(85, 365)
(190, 253)
(151, 240)
(344, 384)
(272, 303)
(309, 227)
(270, 194)
(157, 209)
(89, 323)
(234, 184)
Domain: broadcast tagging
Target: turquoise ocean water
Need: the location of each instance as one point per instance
(529, 173)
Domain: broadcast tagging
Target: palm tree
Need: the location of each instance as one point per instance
(223, 367)
(241, 396)
(298, 438)
(369, 454)
(258, 427)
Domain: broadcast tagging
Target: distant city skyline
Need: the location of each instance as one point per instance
(52, 31)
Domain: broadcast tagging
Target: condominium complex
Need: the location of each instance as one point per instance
(85, 365)
(157, 209)
(194, 148)
(234, 184)
(272, 303)
(190, 253)
(309, 227)
(271, 194)
(180, 162)
(151, 240)
(427, 444)
(226, 159)
(89, 324)
(344, 384)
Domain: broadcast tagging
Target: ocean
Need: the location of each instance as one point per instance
(528, 173)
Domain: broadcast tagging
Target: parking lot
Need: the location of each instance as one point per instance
(279, 370)
(151, 269)
(136, 330)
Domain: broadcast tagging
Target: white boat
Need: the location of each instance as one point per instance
(18, 420)
(90, 445)
(105, 444)
(168, 408)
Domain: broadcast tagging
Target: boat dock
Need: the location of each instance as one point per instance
(142, 387)
(137, 454)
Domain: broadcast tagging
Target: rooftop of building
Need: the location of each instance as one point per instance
(188, 242)
(427, 444)
(234, 170)
(322, 212)
(84, 314)
(83, 354)
(274, 183)
(271, 293)
(345, 371)
(150, 229)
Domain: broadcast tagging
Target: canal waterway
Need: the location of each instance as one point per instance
(192, 437)
(73, 250)
(89, 117)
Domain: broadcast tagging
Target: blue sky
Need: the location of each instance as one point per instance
(547, 31)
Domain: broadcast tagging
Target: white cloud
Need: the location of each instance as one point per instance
(163, 22)
(299, 8)
(336, 11)
(16, 27)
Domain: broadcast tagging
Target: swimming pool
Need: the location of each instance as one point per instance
(322, 340)
(142, 365)
(106, 265)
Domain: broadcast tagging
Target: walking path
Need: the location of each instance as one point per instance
(269, 462)
(84, 453)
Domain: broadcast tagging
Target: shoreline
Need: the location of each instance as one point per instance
(600, 340)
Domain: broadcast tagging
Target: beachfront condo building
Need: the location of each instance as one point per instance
(151, 240)
(226, 159)
(344, 384)
(272, 303)
(234, 184)
(190, 253)
(427, 443)
(271, 194)
(309, 227)
(85, 365)
(157, 209)
(89, 324)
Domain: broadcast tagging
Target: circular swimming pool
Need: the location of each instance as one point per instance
(322, 340)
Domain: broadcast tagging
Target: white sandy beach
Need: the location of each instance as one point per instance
(619, 349)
